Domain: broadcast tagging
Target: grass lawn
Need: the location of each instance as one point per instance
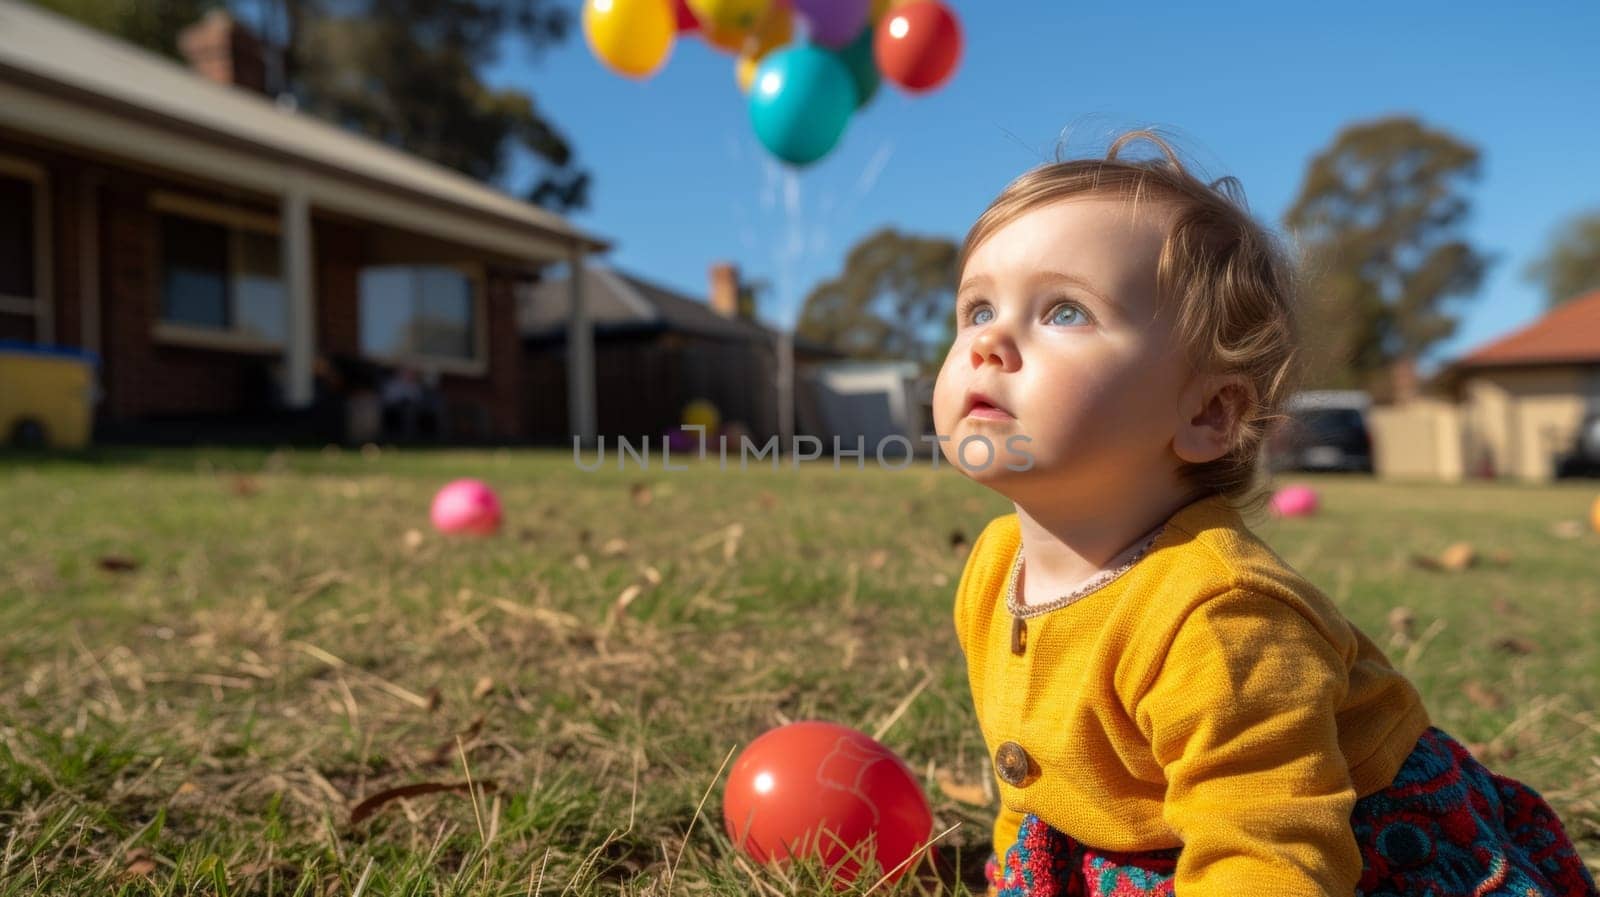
(209, 658)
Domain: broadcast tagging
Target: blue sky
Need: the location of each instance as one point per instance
(1249, 89)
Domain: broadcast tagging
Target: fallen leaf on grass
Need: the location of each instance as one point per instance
(116, 563)
(966, 794)
(614, 547)
(642, 495)
(376, 802)
(412, 539)
(1512, 644)
(1482, 695)
(768, 501)
(482, 688)
(1453, 559)
(581, 561)
(245, 487)
(877, 559)
(1490, 751)
(1566, 529)
(137, 863)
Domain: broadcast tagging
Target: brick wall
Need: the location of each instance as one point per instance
(146, 377)
(496, 393)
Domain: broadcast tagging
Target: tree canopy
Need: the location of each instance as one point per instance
(406, 72)
(1379, 218)
(1571, 266)
(894, 299)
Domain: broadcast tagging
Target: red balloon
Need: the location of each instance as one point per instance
(820, 789)
(917, 45)
(686, 19)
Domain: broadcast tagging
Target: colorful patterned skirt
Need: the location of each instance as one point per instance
(1447, 826)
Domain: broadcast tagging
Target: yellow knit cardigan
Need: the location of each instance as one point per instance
(1209, 697)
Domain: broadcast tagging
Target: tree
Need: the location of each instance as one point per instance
(893, 300)
(1379, 219)
(401, 71)
(1571, 266)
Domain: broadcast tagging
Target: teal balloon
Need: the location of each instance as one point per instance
(801, 102)
(857, 57)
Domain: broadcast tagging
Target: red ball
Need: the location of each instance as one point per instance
(917, 45)
(822, 790)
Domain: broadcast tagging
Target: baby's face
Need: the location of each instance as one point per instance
(1057, 325)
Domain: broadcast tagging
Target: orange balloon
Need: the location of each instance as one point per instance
(1594, 515)
(775, 30)
(726, 23)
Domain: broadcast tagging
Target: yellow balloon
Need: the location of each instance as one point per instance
(726, 23)
(631, 37)
(744, 71)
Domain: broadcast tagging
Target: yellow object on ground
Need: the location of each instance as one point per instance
(46, 396)
(701, 413)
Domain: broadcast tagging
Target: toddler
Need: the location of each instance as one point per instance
(1169, 707)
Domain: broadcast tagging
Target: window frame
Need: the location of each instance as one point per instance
(39, 304)
(234, 219)
(478, 364)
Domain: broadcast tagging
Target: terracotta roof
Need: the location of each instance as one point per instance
(1570, 334)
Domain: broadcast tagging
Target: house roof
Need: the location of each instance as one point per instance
(618, 301)
(1568, 334)
(51, 55)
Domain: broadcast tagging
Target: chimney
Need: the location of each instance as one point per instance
(1407, 384)
(725, 289)
(225, 51)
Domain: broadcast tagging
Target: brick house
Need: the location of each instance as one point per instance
(232, 261)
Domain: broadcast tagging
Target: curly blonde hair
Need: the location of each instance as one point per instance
(1226, 277)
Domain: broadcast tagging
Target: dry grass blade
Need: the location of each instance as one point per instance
(398, 691)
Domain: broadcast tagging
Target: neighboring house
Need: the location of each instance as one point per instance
(1512, 407)
(236, 264)
(656, 351)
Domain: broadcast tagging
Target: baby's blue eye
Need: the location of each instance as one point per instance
(1067, 316)
(983, 314)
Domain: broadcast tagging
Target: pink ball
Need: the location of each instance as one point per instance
(1294, 501)
(466, 506)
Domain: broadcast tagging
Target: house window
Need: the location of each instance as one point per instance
(18, 199)
(419, 313)
(221, 274)
(25, 244)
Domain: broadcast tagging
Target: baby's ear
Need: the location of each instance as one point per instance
(1212, 410)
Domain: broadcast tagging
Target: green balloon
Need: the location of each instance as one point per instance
(857, 57)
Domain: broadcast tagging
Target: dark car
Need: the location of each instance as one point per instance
(1323, 439)
(1584, 459)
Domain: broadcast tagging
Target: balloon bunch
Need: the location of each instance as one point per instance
(801, 93)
